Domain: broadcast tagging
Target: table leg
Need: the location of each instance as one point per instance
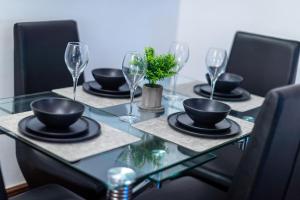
(243, 143)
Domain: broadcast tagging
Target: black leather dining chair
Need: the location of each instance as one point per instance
(39, 66)
(265, 63)
(47, 192)
(3, 195)
(39, 49)
(270, 167)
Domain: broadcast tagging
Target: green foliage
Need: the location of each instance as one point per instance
(142, 153)
(159, 66)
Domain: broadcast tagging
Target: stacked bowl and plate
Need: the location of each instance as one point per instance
(204, 118)
(59, 120)
(109, 82)
(227, 88)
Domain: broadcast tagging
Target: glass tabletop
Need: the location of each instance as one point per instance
(140, 156)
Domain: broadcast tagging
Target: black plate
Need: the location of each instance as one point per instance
(238, 92)
(245, 96)
(234, 130)
(94, 130)
(87, 89)
(77, 129)
(184, 120)
(124, 89)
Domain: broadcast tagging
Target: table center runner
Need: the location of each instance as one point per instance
(109, 139)
(91, 100)
(255, 101)
(160, 128)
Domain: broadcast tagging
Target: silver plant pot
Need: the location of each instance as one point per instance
(151, 97)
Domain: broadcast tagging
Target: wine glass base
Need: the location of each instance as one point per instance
(129, 118)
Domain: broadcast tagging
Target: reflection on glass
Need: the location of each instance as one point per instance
(145, 154)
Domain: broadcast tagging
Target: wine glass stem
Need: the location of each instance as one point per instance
(174, 84)
(213, 84)
(131, 100)
(75, 81)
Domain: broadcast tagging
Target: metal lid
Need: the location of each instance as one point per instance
(120, 176)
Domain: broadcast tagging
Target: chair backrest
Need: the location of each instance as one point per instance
(270, 168)
(3, 195)
(264, 62)
(39, 55)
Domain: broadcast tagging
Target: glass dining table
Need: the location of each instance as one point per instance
(153, 158)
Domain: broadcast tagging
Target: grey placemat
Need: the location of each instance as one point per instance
(254, 102)
(160, 128)
(109, 139)
(91, 100)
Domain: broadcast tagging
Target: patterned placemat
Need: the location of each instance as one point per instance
(91, 100)
(160, 128)
(255, 101)
(109, 139)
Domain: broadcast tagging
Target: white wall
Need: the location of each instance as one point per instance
(205, 24)
(109, 27)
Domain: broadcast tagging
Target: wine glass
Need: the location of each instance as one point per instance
(181, 53)
(134, 69)
(76, 59)
(216, 63)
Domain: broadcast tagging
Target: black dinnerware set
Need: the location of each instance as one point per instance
(59, 120)
(227, 88)
(109, 83)
(207, 118)
(204, 118)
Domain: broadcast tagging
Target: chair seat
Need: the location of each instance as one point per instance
(45, 170)
(220, 171)
(186, 188)
(48, 192)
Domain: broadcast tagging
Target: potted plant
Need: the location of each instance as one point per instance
(159, 68)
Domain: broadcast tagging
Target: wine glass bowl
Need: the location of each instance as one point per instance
(216, 63)
(76, 59)
(181, 53)
(205, 112)
(134, 68)
(109, 78)
(226, 82)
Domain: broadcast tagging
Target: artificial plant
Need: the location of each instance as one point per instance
(159, 66)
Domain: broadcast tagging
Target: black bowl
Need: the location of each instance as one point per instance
(226, 82)
(57, 112)
(109, 78)
(205, 112)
